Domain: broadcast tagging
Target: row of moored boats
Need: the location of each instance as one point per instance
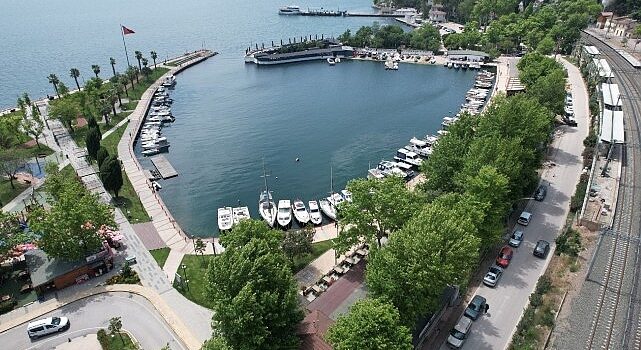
(151, 140)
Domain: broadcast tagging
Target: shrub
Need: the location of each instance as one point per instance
(569, 243)
(544, 285)
(8, 306)
(103, 339)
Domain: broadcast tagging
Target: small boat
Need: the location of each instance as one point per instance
(347, 195)
(225, 220)
(335, 199)
(240, 213)
(156, 186)
(300, 212)
(331, 61)
(289, 10)
(284, 215)
(150, 152)
(314, 213)
(337, 60)
(327, 208)
(267, 208)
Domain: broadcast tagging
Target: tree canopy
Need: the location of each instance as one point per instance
(371, 324)
(111, 174)
(68, 228)
(253, 292)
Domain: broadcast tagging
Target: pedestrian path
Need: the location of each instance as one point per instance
(172, 264)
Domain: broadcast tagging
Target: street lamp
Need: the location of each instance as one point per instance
(184, 267)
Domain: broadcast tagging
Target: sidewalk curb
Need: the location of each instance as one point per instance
(184, 334)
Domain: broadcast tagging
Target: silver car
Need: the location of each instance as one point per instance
(516, 238)
(493, 276)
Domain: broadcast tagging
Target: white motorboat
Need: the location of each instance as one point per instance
(347, 195)
(386, 168)
(327, 208)
(284, 216)
(336, 199)
(240, 213)
(289, 10)
(150, 152)
(300, 212)
(267, 208)
(225, 220)
(419, 147)
(314, 213)
(408, 157)
(331, 61)
(266, 205)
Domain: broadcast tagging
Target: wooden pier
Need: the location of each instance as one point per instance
(164, 168)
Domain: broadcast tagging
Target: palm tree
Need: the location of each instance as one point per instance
(138, 57)
(131, 74)
(112, 62)
(145, 62)
(124, 81)
(154, 55)
(75, 73)
(53, 80)
(96, 69)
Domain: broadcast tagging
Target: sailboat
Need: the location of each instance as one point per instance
(327, 204)
(266, 205)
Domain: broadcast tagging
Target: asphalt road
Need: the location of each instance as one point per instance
(508, 300)
(89, 315)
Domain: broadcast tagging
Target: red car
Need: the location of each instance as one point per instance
(505, 255)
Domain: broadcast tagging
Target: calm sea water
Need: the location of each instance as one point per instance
(231, 115)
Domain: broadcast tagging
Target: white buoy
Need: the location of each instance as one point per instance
(297, 159)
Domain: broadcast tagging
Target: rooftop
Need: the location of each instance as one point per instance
(44, 269)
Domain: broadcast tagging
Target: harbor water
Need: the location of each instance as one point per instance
(230, 115)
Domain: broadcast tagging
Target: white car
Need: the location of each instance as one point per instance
(46, 326)
(493, 276)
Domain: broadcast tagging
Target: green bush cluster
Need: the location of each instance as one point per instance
(103, 339)
(526, 336)
(126, 276)
(576, 202)
(569, 243)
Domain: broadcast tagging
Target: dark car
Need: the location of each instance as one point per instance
(540, 193)
(505, 255)
(542, 248)
(475, 307)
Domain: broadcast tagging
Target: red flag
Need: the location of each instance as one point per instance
(126, 30)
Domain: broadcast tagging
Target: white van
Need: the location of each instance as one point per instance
(46, 326)
(525, 218)
(459, 333)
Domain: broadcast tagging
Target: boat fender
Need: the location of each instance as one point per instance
(297, 159)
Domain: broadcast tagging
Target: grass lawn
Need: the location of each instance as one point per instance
(122, 342)
(160, 255)
(7, 193)
(317, 250)
(136, 92)
(68, 170)
(128, 200)
(43, 150)
(196, 272)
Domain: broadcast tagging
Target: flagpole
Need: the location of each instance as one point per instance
(125, 45)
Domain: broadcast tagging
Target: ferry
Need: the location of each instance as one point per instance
(321, 49)
(289, 10)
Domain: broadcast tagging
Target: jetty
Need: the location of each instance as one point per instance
(164, 167)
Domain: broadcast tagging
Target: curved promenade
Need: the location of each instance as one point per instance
(167, 227)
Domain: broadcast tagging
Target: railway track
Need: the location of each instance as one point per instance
(616, 322)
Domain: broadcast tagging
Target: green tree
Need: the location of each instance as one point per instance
(253, 292)
(68, 229)
(216, 343)
(138, 55)
(378, 208)
(123, 80)
(63, 89)
(111, 174)
(426, 37)
(26, 99)
(115, 325)
(112, 62)
(101, 155)
(10, 134)
(146, 72)
(33, 127)
(92, 140)
(534, 65)
(371, 324)
(436, 248)
(66, 111)
(9, 232)
(199, 248)
(154, 55)
(53, 80)
(75, 74)
(104, 108)
(11, 160)
(96, 69)
(545, 46)
(550, 91)
(298, 242)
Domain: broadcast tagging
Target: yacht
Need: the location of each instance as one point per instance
(408, 157)
(300, 212)
(284, 215)
(289, 10)
(347, 195)
(314, 213)
(224, 218)
(240, 213)
(328, 209)
(335, 199)
(419, 147)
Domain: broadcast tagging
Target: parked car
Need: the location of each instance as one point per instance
(516, 238)
(475, 307)
(493, 276)
(45, 326)
(505, 255)
(459, 333)
(525, 218)
(541, 249)
(540, 193)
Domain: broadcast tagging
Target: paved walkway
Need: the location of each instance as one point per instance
(86, 342)
(172, 264)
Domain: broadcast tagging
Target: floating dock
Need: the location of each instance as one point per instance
(164, 168)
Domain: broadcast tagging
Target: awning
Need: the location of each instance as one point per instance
(611, 95)
(612, 127)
